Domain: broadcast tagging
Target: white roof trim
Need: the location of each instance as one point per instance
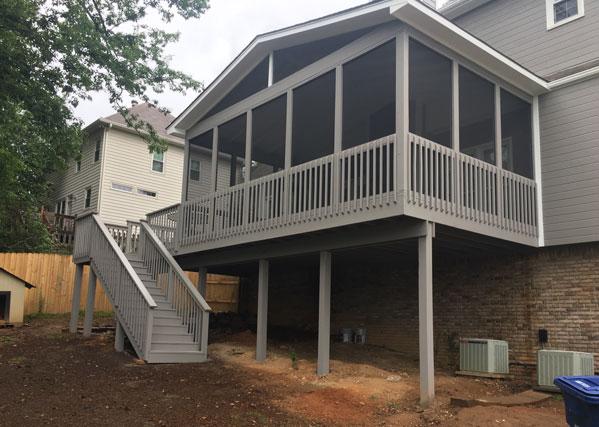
(271, 37)
(455, 38)
(591, 73)
(460, 7)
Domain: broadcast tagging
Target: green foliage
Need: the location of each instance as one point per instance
(54, 54)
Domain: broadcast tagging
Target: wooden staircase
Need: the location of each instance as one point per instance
(160, 311)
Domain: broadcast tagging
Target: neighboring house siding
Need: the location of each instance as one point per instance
(570, 163)
(74, 183)
(128, 162)
(197, 189)
(518, 29)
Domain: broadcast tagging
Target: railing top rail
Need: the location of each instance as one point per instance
(175, 266)
(159, 211)
(136, 280)
(85, 215)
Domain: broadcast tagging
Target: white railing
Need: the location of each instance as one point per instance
(446, 181)
(354, 180)
(164, 224)
(183, 296)
(128, 295)
(378, 179)
(125, 236)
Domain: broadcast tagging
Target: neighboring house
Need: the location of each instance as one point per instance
(370, 137)
(119, 178)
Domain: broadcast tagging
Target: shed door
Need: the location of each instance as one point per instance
(4, 305)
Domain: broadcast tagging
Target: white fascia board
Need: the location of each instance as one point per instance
(262, 45)
(455, 38)
(591, 73)
(461, 7)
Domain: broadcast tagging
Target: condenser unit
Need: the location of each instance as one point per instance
(557, 363)
(483, 356)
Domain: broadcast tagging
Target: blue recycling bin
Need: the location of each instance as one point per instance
(581, 397)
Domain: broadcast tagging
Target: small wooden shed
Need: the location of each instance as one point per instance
(12, 297)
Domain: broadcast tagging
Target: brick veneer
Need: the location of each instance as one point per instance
(500, 297)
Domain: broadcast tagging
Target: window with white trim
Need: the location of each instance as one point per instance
(122, 187)
(146, 192)
(561, 12)
(88, 198)
(158, 162)
(77, 165)
(194, 170)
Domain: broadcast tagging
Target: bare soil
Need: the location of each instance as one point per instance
(50, 377)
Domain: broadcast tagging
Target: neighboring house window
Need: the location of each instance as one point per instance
(194, 170)
(88, 198)
(97, 150)
(158, 162)
(122, 187)
(77, 165)
(560, 12)
(70, 200)
(146, 192)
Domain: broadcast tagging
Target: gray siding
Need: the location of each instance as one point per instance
(197, 189)
(73, 183)
(518, 29)
(570, 163)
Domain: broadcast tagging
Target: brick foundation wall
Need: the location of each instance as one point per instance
(502, 297)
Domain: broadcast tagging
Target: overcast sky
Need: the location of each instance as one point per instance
(206, 46)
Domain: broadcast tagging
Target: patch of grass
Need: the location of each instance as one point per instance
(5, 339)
(42, 316)
(18, 360)
(557, 397)
(394, 406)
(293, 357)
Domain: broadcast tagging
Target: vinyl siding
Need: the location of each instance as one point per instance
(70, 182)
(570, 163)
(197, 189)
(128, 162)
(518, 29)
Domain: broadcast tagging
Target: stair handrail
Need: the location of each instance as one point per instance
(175, 266)
(123, 259)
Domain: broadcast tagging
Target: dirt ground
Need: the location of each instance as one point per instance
(50, 377)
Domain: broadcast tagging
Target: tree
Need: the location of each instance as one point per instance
(53, 54)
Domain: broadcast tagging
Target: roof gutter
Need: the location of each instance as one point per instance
(460, 7)
(591, 73)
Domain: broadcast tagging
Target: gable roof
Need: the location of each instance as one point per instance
(23, 282)
(412, 12)
(148, 113)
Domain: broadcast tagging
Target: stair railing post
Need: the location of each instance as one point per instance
(170, 288)
(204, 337)
(149, 327)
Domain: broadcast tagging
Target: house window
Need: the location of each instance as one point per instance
(88, 198)
(194, 170)
(561, 12)
(97, 150)
(158, 162)
(77, 165)
(122, 187)
(146, 192)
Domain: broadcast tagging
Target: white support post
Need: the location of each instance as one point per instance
(536, 147)
(89, 306)
(288, 128)
(262, 310)
(498, 136)
(402, 107)
(271, 69)
(202, 281)
(248, 147)
(455, 99)
(119, 337)
(425, 316)
(76, 299)
(338, 108)
(324, 314)
(213, 171)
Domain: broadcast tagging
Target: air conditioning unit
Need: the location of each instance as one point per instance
(557, 363)
(484, 356)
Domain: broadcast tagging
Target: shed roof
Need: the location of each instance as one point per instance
(25, 283)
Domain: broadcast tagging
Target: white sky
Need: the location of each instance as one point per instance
(206, 46)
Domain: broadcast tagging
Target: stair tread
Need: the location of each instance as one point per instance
(176, 351)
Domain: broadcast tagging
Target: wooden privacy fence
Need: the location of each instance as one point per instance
(53, 274)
